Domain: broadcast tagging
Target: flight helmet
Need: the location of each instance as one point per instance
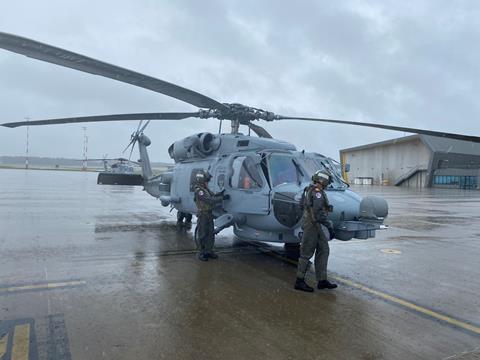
(203, 176)
(322, 177)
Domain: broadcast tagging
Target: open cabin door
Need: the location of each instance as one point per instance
(286, 179)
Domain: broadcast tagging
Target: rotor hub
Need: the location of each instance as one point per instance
(238, 112)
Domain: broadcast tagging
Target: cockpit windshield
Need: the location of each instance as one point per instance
(319, 163)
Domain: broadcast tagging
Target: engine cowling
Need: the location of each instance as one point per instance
(195, 146)
(208, 143)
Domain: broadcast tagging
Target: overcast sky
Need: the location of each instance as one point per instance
(412, 64)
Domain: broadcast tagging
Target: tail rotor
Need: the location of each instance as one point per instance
(134, 137)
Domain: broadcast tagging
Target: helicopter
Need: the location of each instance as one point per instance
(114, 165)
(116, 171)
(120, 172)
(265, 177)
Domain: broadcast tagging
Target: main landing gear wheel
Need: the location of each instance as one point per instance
(292, 250)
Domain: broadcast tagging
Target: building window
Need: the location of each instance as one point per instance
(446, 180)
(464, 182)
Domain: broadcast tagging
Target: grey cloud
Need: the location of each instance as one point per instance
(414, 64)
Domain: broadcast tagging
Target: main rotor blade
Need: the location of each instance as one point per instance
(58, 56)
(260, 131)
(98, 118)
(389, 127)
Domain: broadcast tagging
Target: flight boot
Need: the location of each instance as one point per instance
(301, 285)
(325, 284)
(202, 256)
(212, 255)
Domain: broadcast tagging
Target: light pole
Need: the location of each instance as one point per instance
(27, 144)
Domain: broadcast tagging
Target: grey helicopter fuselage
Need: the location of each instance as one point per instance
(265, 179)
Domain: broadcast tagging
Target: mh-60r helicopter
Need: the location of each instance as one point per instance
(264, 177)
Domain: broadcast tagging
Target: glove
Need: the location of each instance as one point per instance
(332, 233)
(226, 197)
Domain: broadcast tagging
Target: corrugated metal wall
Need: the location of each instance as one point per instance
(386, 163)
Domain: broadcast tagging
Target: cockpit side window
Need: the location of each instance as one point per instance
(245, 174)
(282, 169)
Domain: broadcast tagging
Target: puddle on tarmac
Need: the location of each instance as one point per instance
(162, 226)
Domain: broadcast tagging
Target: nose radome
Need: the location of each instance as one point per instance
(373, 207)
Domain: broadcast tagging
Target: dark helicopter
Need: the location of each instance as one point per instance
(264, 177)
(118, 171)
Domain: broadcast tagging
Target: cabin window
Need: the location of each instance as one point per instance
(282, 169)
(245, 174)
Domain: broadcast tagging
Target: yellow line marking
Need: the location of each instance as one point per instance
(21, 342)
(409, 305)
(404, 303)
(3, 345)
(47, 286)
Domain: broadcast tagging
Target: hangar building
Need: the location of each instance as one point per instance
(415, 161)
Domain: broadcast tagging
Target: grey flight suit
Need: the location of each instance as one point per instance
(316, 233)
(205, 200)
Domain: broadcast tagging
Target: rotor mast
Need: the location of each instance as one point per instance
(235, 126)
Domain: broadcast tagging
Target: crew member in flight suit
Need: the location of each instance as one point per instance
(317, 231)
(206, 201)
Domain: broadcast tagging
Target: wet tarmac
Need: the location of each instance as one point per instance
(100, 272)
